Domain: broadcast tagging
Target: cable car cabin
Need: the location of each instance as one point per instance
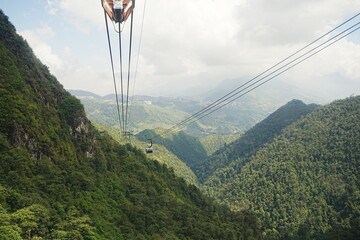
(149, 150)
(118, 10)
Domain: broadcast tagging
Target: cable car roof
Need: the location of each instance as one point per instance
(128, 7)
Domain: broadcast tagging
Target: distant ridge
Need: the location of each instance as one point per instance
(249, 143)
(82, 93)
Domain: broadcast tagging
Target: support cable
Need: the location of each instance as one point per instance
(238, 91)
(121, 79)
(233, 94)
(128, 79)
(209, 107)
(137, 60)
(297, 63)
(113, 71)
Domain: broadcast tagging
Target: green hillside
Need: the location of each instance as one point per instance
(161, 154)
(187, 148)
(249, 143)
(212, 143)
(304, 184)
(62, 179)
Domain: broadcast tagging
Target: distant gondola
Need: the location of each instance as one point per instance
(149, 149)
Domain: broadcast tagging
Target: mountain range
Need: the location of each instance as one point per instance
(148, 112)
(264, 167)
(254, 139)
(298, 170)
(284, 169)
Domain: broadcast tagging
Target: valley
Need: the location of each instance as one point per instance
(281, 169)
(270, 165)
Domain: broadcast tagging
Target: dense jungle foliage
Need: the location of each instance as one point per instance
(254, 139)
(62, 179)
(304, 184)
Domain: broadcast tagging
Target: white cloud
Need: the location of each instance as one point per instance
(83, 14)
(239, 38)
(38, 39)
(189, 43)
(343, 58)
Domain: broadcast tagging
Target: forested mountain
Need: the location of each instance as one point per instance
(304, 183)
(249, 143)
(61, 179)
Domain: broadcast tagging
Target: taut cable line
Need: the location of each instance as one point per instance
(112, 69)
(234, 94)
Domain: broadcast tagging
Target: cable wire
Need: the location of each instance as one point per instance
(137, 59)
(282, 72)
(207, 110)
(235, 92)
(122, 84)
(128, 79)
(112, 68)
(277, 64)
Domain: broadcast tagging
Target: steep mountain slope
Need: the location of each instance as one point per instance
(212, 143)
(249, 143)
(161, 154)
(62, 179)
(304, 184)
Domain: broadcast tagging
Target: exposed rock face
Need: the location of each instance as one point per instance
(90, 151)
(79, 127)
(20, 138)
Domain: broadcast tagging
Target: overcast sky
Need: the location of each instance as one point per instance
(192, 45)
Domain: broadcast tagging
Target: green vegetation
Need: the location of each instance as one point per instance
(249, 143)
(164, 155)
(304, 183)
(212, 143)
(161, 154)
(187, 148)
(293, 176)
(62, 179)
